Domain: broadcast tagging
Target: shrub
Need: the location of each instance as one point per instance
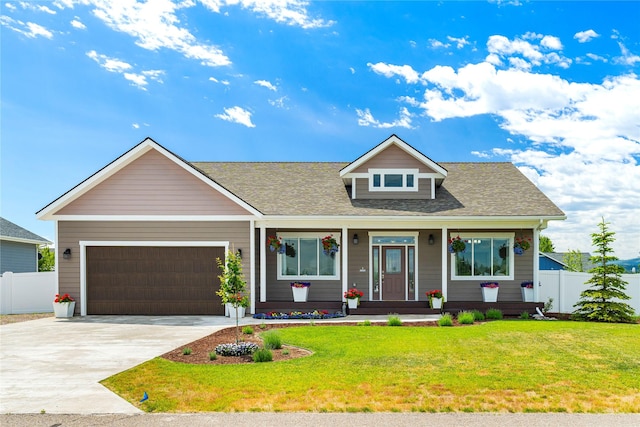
(240, 349)
(394, 321)
(466, 318)
(186, 351)
(213, 355)
(263, 325)
(478, 316)
(262, 355)
(272, 340)
(494, 314)
(445, 320)
(366, 323)
(247, 330)
(524, 315)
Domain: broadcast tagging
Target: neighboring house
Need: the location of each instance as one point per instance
(556, 261)
(143, 231)
(18, 248)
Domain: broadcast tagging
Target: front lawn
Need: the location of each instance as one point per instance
(514, 366)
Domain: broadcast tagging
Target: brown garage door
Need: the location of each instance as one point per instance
(153, 280)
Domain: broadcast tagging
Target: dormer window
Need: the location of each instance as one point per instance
(393, 180)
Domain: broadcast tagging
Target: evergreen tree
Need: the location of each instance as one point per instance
(602, 302)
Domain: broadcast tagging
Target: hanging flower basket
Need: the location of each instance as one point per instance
(330, 245)
(521, 245)
(456, 244)
(275, 244)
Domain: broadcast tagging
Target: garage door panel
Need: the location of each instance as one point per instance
(153, 280)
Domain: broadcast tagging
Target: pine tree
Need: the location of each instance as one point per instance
(602, 302)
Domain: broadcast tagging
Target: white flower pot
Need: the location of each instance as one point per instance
(353, 303)
(490, 294)
(231, 311)
(64, 309)
(300, 294)
(527, 294)
(436, 303)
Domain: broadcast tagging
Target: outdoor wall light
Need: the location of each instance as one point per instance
(355, 239)
(240, 253)
(432, 240)
(67, 253)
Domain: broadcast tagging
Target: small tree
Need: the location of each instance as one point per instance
(232, 284)
(46, 259)
(602, 301)
(573, 260)
(546, 245)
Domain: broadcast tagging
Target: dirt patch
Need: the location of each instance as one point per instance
(6, 319)
(201, 348)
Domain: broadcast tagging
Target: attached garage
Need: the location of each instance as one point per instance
(148, 280)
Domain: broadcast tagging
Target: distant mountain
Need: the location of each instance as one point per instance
(629, 264)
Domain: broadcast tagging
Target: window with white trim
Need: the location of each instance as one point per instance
(393, 179)
(307, 260)
(486, 256)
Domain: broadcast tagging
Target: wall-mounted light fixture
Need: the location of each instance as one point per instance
(240, 253)
(432, 239)
(355, 239)
(67, 253)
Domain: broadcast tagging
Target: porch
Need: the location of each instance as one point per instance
(508, 308)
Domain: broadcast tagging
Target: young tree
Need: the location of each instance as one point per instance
(602, 302)
(46, 259)
(546, 245)
(232, 284)
(573, 260)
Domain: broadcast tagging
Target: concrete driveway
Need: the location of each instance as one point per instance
(54, 365)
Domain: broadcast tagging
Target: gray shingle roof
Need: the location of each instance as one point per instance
(11, 231)
(302, 189)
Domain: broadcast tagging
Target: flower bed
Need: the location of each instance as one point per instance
(240, 349)
(316, 314)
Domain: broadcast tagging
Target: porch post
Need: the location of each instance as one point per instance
(536, 263)
(345, 262)
(252, 270)
(263, 263)
(445, 254)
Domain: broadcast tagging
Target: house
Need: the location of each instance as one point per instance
(142, 232)
(556, 261)
(18, 248)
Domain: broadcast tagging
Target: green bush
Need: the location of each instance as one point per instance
(213, 355)
(263, 325)
(445, 320)
(186, 351)
(494, 314)
(394, 321)
(525, 315)
(247, 330)
(285, 352)
(465, 318)
(272, 340)
(478, 316)
(365, 323)
(262, 355)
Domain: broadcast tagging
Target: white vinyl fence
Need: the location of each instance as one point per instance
(27, 292)
(565, 288)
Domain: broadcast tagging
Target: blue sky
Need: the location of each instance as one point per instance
(550, 86)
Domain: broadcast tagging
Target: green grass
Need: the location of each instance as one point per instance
(500, 366)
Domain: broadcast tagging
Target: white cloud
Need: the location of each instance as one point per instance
(627, 58)
(75, 23)
(388, 70)
(135, 125)
(237, 115)
(118, 66)
(265, 83)
(436, 44)
(28, 29)
(289, 12)
(500, 47)
(279, 102)
(365, 118)
(460, 42)
(597, 57)
(585, 36)
(551, 42)
(110, 64)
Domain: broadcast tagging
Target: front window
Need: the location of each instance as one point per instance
(393, 180)
(305, 259)
(486, 256)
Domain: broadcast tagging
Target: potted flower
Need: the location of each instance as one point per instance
(521, 244)
(435, 298)
(456, 244)
(527, 291)
(490, 291)
(275, 244)
(300, 291)
(353, 296)
(330, 245)
(63, 306)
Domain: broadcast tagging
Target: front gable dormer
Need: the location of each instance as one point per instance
(393, 170)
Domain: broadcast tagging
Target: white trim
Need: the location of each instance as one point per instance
(345, 261)
(316, 235)
(384, 172)
(471, 235)
(353, 188)
(443, 266)
(536, 264)
(416, 243)
(28, 241)
(263, 264)
(252, 267)
(48, 212)
(190, 218)
(162, 243)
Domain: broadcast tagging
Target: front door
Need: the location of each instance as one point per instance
(393, 273)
